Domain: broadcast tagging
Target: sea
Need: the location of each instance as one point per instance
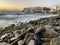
(6, 20)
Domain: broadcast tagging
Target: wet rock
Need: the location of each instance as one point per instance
(50, 34)
(45, 39)
(31, 29)
(22, 35)
(30, 37)
(12, 25)
(21, 42)
(11, 35)
(55, 41)
(39, 30)
(23, 30)
(17, 33)
(12, 39)
(4, 43)
(57, 28)
(15, 42)
(32, 42)
(45, 43)
(4, 36)
(48, 27)
(58, 36)
(27, 35)
(57, 24)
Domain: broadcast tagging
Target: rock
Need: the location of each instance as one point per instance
(12, 25)
(55, 24)
(4, 36)
(30, 37)
(11, 35)
(58, 36)
(50, 34)
(27, 35)
(31, 29)
(3, 43)
(48, 27)
(15, 42)
(12, 39)
(21, 42)
(45, 39)
(32, 42)
(57, 28)
(22, 35)
(39, 30)
(17, 33)
(45, 43)
(55, 41)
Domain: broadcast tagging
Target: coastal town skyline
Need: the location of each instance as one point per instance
(20, 4)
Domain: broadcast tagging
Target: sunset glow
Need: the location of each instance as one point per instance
(20, 4)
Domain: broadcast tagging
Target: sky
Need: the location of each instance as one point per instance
(20, 4)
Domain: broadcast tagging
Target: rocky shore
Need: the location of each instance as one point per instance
(44, 31)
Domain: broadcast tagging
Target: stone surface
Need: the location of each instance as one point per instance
(55, 41)
(3, 43)
(39, 29)
(50, 32)
(4, 36)
(57, 29)
(45, 43)
(17, 33)
(48, 27)
(32, 42)
(45, 39)
(12, 39)
(21, 42)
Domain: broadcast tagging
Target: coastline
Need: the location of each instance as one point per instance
(7, 20)
(44, 30)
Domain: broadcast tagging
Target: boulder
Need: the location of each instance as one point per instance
(45, 39)
(55, 41)
(32, 42)
(4, 36)
(57, 28)
(17, 33)
(29, 38)
(50, 34)
(12, 39)
(31, 29)
(58, 36)
(4, 43)
(48, 27)
(39, 30)
(21, 42)
(45, 43)
(56, 24)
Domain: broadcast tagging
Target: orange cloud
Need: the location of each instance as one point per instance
(11, 6)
